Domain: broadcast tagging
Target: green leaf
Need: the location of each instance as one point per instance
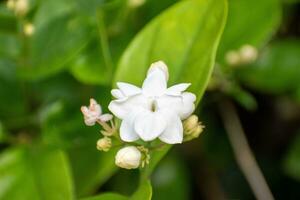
(249, 23)
(277, 70)
(107, 196)
(35, 174)
(184, 38)
(171, 175)
(144, 191)
(89, 67)
(58, 37)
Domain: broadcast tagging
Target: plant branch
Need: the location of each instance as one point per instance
(243, 153)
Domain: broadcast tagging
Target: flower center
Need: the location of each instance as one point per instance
(153, 106)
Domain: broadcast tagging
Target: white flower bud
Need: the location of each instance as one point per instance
(21, 7)
(28, 29)
(233, 58)
(128, 157)
(248, 53)
(135, 3)
(190, 123)
(160, 65)
(104, 144)
(10, 4)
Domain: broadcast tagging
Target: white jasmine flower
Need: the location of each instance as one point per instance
(128, 157)
(153, 111)
(93, 113)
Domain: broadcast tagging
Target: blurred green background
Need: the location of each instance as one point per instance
(56, 54)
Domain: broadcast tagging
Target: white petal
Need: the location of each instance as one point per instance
(105, 117)
(95, 107)
(182, 105)
(177, 89)
(127, 132)
(159, 65)
(149, 125)
(128, 89)
(174, 131)
(121, 108)
(155, 83)
(188, 105)
(117, 93)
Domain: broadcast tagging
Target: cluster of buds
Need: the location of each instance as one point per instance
(128, 157)
(192, 128)
(245, 55)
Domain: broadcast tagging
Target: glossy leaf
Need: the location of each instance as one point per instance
(34, 174)
(58, 37)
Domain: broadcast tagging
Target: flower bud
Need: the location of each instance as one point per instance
(192, 128)
(104, 144)
(128, 157)
(10, 4)
(233, 58)
(190, 123)
(21, 7)
(159, 65)
(28, 29)
(135, 3)
(248, 53)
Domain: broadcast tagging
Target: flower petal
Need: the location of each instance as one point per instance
(182, 105)
(174, 131)
(155, 83)
(128, 89)
(188, 105)
(121, 108)
(159, 65)
(127, 132)
(117, 93)
(177, 89)
(149, 125)
(105, 117)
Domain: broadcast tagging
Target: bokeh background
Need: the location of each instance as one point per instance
(56, 54)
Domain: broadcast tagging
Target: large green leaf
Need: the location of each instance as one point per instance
(277, 69)
(35, 174)
(249, 23)
(185, 39)
(58, 37)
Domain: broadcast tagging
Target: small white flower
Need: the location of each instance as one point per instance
(93, 113)
(153, 111)
(128, 157)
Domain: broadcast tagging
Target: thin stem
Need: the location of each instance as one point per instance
(104, 41)
(243, 153)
